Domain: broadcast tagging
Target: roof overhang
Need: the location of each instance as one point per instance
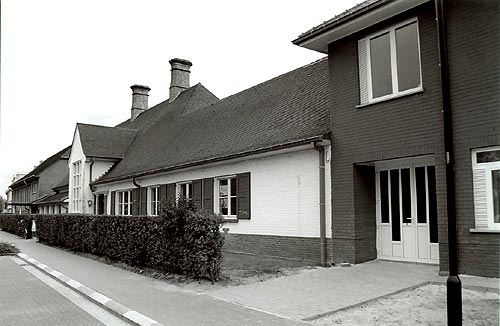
(319, 37)
(291, 144)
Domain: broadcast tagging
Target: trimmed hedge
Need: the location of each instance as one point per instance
(16, 224)
(180, 240)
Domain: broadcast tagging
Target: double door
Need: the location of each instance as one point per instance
(407, 212)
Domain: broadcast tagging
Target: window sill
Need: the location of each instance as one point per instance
(417, 91)
(484, 230)
(230, 220)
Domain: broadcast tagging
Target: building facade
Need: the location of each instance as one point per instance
(389, 172)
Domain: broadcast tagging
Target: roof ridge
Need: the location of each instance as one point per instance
(101, 126)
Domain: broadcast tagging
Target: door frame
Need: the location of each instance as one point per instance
(398, 247)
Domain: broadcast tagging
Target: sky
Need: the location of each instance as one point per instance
(64, 62)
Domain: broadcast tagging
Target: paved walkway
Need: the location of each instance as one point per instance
(158, 300)
(304, 296)
(25, 300)
(317, 292)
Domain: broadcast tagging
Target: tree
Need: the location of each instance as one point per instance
(2, 203)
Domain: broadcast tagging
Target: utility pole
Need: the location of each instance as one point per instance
(453, 283)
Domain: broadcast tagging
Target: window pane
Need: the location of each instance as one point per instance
(431, 188)
(396, 232)
(233, 186)
(380, 60)
(408, 57)
(421, 194)
(487, 157)
(233, 206)
(189, 187)
(406, 195)
(223, 188)
(223, 206)
(183, 190)
(495, 182)
(384, 197)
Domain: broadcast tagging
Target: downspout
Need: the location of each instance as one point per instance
(90, 183)
(322, 215)
(453, 283)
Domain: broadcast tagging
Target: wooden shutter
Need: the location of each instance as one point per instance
(113, 204)
(197, 193)
(480, 197)
(171, 192)
(144, 201)
(135, 201)
(363, 70)
(208, 194)
(163, 195)
(243, 195)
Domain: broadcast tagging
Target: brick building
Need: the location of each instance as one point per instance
(389, 161)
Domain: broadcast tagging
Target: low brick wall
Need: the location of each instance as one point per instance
(277, 246)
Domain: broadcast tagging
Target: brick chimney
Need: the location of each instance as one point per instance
(139, 100)
(180, 77)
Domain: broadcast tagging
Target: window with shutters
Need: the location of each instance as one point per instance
(227, 196)
(389, 63)
(185, 190)
(486, 179)
(154, 200)
(124, 202)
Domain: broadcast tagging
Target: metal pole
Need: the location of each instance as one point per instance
(453, 284)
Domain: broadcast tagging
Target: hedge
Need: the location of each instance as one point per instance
(17, 224)
(180, 240)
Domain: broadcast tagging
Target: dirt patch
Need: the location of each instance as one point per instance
(237, 269)
(422, 306)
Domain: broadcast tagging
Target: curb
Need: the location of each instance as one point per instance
(109, 304)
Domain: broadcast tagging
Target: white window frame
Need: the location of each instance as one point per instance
(217, 195)
(189, 193)
(121, 203)
(487, 168)
(154, 205)
(394, 72)
(77, 177)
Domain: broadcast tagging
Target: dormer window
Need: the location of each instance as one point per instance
(389, 63)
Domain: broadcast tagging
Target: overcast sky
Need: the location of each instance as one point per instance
(64, 62)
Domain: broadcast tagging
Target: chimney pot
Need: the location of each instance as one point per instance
(179, 80)
(139, 100)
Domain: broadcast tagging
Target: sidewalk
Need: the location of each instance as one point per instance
(25, 300)
(304, 296)
(158, 300)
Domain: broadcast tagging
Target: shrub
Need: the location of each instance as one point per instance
(16, 223)
(180, 240)
(7, 249)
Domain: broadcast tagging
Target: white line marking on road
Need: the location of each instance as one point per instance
(102, 299)
(74, 284)
(139, 318)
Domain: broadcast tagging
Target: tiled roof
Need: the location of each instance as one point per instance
(105, 142)
(53, 199)
(347, 15)
(42, 166)
(285, 109)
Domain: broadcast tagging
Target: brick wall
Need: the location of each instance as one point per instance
(402, 127)
(474, 62)
(278, 246)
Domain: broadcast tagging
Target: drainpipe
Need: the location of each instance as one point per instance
(90, 180)
(453, 283)
(140, 194)
(322, 215)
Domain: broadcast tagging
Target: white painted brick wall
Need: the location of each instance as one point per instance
(284, 191)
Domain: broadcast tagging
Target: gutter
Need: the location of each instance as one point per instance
(140, 194)
(216, 159)
(453, 283)
(322, 216)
